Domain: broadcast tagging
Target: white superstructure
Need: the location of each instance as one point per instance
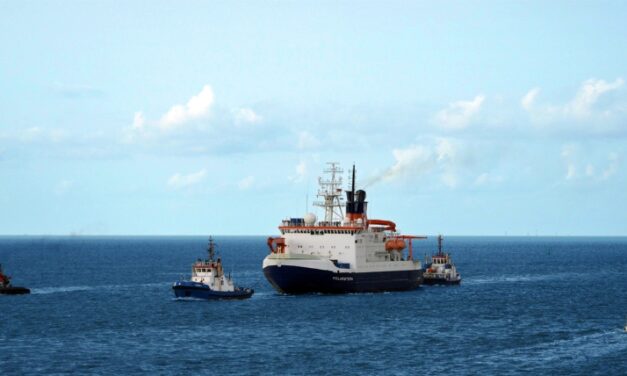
(211, 273)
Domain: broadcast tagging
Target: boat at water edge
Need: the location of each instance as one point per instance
(440, 269)
(7, 289)
(344, 253)
(209, 282)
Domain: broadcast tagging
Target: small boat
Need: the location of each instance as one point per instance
(7, 289)
(209, 282)
(440, 269)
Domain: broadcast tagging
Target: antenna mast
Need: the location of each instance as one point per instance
(331, 193)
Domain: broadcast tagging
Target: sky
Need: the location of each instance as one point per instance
(197, 118)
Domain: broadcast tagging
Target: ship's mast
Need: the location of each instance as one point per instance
(331, 193)
(211, 249)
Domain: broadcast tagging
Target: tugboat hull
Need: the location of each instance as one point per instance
(197, 290)
(441, 281)
(300, 280)
(14, 290)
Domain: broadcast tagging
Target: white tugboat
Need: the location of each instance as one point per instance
(440, 269)
(209, 282)
(342, 253)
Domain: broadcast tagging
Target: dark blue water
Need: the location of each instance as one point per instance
(105, 306)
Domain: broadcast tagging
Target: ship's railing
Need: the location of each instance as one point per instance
(297, 222)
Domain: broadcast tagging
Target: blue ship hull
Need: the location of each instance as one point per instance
(298, 280)
(188, 289)
(14, 290)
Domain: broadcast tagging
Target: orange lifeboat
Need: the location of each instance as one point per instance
(395, 245)
(400, 244)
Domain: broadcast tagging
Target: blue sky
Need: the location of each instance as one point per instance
(463, 118)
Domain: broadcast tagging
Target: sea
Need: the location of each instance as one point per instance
(104, 306)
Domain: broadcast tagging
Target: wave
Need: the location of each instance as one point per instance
(53, 290)
(520, 278)
(66, 289)
(576, 349)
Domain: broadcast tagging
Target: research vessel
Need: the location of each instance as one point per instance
(343, 253)
(209, 281)
(440, 269)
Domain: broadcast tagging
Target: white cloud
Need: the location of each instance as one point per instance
(301, 172)
(588, 95)
(246, 183)
(179, 181)
(445, 150)
(571, 171)
(528, 100)
(580, 108)
(459, 114)
(577, 168)
(247, 115)
(197, 107)
(612, 168)
(138, 121)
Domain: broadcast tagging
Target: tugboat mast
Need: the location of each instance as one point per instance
(440, 245)
(211, 249)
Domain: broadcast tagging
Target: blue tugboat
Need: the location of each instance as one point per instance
(209, 282)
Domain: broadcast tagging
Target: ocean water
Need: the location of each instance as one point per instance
(104, 305)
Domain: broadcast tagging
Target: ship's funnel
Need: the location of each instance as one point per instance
(356, 200)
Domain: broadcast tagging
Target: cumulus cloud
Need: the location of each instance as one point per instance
(588, 95)
(179, 181)
(247, 116)
(584, 104)
(459, 114)
(579, 167)
(197, 107)
(528, 100)
(612, 167)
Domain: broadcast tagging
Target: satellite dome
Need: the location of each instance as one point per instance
(310, 219)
